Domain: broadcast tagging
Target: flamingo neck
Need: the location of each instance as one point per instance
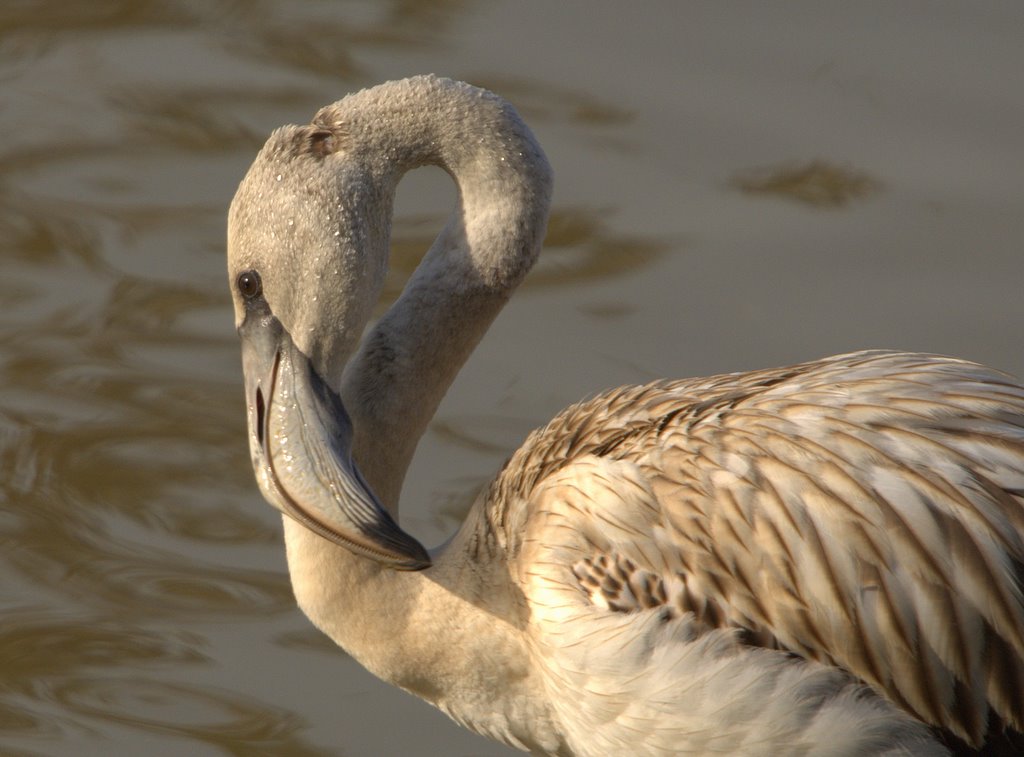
(431, 632)
(410, 357)
(450, 635)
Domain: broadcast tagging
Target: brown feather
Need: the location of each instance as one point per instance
(863, 510)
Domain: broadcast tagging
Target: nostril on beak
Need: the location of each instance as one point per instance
(260, 408)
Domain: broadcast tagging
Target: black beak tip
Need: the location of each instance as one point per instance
(417, 558)
(415, 564)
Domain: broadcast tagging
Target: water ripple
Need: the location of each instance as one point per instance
(41, 645)
(232, 722)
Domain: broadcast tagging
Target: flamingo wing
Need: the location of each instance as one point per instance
(864, 511)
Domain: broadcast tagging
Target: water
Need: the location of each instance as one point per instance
(737, 187)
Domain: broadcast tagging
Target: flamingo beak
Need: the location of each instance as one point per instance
(300, 438)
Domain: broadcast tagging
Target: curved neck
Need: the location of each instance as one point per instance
(419, 630)
(407, 361)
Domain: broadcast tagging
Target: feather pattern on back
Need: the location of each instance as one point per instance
(863, 511)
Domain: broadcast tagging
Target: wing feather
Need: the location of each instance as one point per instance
(660, 680)
(866, 511)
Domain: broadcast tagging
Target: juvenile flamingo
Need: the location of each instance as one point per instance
(819, 559)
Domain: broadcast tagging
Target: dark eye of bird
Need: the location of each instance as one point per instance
(249, 284)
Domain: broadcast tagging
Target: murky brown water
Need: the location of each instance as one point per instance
(735, 189)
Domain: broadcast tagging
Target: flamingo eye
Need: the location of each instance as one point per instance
(249, 284)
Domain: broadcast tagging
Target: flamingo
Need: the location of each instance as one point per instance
(825, 558)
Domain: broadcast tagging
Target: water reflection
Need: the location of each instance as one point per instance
(26, 19)
(43, 645)
(234, 723)
(317, 40)
(817, 183)
(43, 653)
(307, 639)
(540, 102)
(582, 247)
(201, 118)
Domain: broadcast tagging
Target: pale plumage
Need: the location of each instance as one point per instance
(863, 511)
(705, 566)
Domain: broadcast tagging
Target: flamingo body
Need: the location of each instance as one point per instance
(820, 559)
